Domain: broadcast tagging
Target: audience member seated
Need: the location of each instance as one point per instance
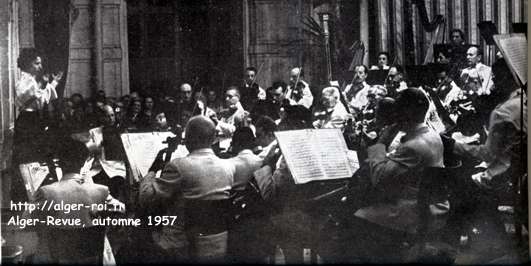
(159, 122)
(213, 102)
(133, 116)
(146, 115)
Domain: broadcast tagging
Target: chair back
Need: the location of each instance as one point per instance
(206, 217)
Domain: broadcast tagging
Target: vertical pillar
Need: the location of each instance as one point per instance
(398, 22)
(383, 25)
(98, 45)
(364, 28)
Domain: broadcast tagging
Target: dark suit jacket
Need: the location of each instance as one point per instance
(396, 175)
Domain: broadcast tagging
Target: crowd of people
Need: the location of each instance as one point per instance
(398, 131)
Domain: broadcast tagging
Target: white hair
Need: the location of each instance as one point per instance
(332, 91)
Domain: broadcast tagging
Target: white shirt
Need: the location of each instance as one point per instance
(482, 74)
(29, 95)
(307, 97)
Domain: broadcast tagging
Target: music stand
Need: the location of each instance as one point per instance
(445, 49)
(420, 75)
(377, 77)
(520, 28)
(487, 29)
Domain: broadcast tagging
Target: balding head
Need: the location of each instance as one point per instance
(108, 115)
(199, 133)
(473, 56)
(186, 92)
(294, 74)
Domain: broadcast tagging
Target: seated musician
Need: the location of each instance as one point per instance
(383, 61)
(334, 114)
(396, 80)
(393, 176)
(200, 177)
(246, 241)
(109, 166)
(298, 91)
(446, 89)
(232, 116)
(271, 105)
(279, 190)
(265, 135)
(476, 77)
(356, 92)
(505, 131)
(70, 243)
(251, 90)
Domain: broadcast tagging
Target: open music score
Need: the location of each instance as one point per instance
(514, 49)
(316, 154)
(33, 175)
(141, 150)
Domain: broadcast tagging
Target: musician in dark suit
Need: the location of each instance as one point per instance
(200, 177)
(247, 241)
(251, 91)
(390, 206)
(73, 243)
(271, 105)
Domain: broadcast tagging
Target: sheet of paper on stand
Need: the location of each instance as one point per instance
(514, 50)
(113, 168)
(141, 150)
(354, 163)
(315, 154)
(33, 175)
(224, 143)
(96, 138)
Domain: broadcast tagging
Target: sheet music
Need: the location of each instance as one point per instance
(331, 150)
(514, 50)
(142, 148)
(315, 154)
(33, 175)
(297, 147)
